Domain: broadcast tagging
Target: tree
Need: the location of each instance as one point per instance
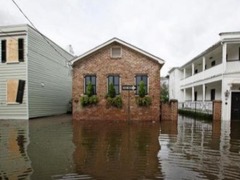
(111, 91)
(141, 91)
(164, 96)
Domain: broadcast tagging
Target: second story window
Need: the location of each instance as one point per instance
(12, 50)
(90, 79)
(115, 80)
(144, 79)
(3, 51)
(116, 52)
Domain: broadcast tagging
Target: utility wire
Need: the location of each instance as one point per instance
(44, 37)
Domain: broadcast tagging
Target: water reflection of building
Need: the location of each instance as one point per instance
(14, 160)
(116, 150)
(51, 147)
(200, 150)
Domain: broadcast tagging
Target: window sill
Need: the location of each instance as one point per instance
(14, 62)
(12, 103)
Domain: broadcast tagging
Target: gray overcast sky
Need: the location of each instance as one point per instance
(174, 30)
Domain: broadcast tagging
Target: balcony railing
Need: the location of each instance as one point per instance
(203, 75)
(197, 106)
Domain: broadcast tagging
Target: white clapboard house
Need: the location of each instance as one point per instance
(212, 75)
(34, 74)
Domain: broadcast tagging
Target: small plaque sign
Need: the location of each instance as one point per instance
(128, 87)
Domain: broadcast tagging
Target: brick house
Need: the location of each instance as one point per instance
(122, 64)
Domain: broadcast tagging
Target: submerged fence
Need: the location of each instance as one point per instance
(197, 106)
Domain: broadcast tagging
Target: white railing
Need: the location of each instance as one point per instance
(198, 106)
(208, 73)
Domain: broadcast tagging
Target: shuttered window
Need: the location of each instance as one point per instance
(15, 91)
(3, 51)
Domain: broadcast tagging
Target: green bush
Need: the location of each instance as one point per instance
(115, 102)
(144, 101)
(141, 91)
(90, 90)
(87, 101)
(111, 91)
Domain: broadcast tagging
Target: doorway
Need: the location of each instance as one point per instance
(235, 110)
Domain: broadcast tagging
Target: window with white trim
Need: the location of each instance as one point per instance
(144, 79)
(115, 80)
(90, 79)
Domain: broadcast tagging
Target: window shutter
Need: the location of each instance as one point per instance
(20, 91)
(3, 51)
(21, 50)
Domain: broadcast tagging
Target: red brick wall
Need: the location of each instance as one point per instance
(101, 64)
(169, 111)
(217, 110)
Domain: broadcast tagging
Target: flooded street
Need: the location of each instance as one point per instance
(57, 148)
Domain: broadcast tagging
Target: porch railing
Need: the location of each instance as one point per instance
(197, 106)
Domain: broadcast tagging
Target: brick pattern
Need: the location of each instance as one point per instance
(128, 66)
(169, 111)
(217, 110)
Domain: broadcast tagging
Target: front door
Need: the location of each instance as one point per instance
(235, 111)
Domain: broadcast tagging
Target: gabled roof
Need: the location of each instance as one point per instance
(155, 58)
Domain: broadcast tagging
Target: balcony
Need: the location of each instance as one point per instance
(209, 75)
(233, 66)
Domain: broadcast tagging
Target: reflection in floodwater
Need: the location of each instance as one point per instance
(57, 148)
(14, 140)
(111, 150)
(200, 150)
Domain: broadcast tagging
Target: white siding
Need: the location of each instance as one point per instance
(12, 111)
(49, 77)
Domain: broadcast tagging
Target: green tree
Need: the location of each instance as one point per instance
(89, 89)
(111, 91)
(164, 96)
(141, 91)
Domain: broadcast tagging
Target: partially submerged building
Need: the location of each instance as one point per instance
(34, 74)
(125, 66)
(212, 75)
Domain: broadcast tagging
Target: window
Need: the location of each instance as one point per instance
(20, 50)
(115, 80)
(196, 71)
(213, 63)
(116, 52)
(3, 51)
(212, 94)
(90, 79)
(15, 91)
(143, 78)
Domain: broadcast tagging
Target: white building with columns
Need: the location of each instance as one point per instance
(212, 75)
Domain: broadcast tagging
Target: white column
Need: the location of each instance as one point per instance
(193, 93)
(192, 69)
(224, 56)
(203, 94)
(184, 95)
(203, 63)
(184, 73)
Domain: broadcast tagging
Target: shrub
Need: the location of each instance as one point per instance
(111, 91)
(144, 101)
(141, 91)
(89, 89)
(87, 101)
(115, 102)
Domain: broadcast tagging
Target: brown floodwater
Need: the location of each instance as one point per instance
(57, 148)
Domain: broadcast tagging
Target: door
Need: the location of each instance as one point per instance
(235, 111)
